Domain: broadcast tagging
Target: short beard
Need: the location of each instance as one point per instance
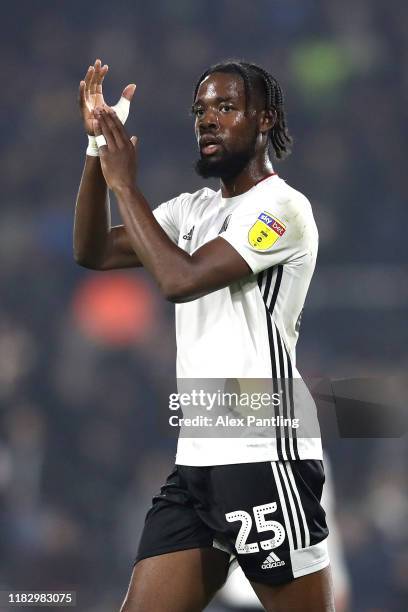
(228, 165)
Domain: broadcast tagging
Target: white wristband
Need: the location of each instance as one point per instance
(122, 111)
(100, 141)
(92, 149)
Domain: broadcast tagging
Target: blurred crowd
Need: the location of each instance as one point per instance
(84, 381)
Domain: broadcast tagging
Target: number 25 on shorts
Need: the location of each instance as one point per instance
(261, 523)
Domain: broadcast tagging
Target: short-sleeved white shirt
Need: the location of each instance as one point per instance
(250, 328)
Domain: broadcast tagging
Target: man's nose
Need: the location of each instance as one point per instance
(209, 120)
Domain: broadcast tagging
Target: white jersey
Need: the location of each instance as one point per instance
(250, 328)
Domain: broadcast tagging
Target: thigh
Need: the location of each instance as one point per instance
(182, 581)
(310, 593)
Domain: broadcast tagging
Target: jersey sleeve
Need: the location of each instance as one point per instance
(169, 216)
(264, 237)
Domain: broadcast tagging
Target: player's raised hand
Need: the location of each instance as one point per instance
(91, 96)
(119, 155)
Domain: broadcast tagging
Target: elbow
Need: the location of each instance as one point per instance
(177, 292)
(176, 297)
(85, 262)
(170, 297)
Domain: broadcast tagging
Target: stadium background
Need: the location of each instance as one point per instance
(85, 357)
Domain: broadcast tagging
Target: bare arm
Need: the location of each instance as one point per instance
(97, 245)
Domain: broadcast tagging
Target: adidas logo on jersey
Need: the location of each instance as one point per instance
(272, 561)
(189, 235)
(225, 224)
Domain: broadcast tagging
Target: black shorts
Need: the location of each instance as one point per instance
(266, 515)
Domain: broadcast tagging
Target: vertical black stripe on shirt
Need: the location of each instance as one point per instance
(277, 388)
(292, 404)
(274, 377)
(290, 401)
(285, 411)
(276, 288)
(265, 296)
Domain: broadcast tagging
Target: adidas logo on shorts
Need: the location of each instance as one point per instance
(272, 561)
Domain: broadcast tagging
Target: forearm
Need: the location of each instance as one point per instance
(92, 221)
(170, 266)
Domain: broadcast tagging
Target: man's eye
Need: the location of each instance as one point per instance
(225, 108)
(198, 112)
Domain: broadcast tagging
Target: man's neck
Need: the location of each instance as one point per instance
(245, 180)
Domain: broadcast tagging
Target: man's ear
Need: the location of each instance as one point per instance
(267, 119)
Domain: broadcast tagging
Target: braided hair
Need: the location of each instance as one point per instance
(259, 81)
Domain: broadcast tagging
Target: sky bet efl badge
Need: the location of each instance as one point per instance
(265, 231)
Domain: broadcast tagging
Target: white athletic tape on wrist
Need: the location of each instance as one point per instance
(100, 140)
(122, 109)
(92, 149)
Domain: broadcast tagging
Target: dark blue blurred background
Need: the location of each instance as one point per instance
(86, 357)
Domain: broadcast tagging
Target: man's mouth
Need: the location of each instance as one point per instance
(209, 145)
(210, 149)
